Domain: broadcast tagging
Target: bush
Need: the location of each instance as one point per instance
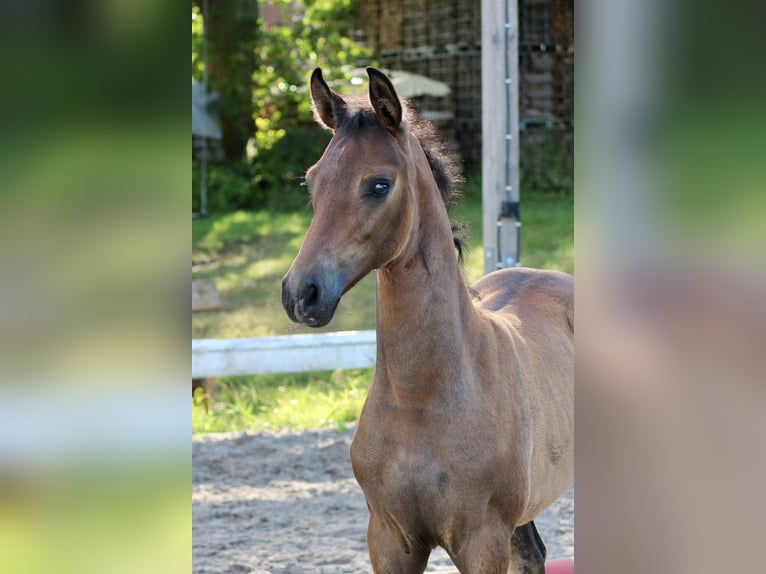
(286, 140)
(278, 171)
(228, 187)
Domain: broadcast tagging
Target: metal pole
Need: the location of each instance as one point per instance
(510, 221)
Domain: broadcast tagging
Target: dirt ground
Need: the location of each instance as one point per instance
(287, 503)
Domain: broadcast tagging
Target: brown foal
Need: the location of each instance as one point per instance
(467, 431)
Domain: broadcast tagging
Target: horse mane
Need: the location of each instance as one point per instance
(443, 163)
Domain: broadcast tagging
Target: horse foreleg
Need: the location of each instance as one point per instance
(486, 550)
(391, 554)
(528, 550)
(491, 550)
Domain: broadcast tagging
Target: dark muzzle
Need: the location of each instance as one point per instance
(311, 299)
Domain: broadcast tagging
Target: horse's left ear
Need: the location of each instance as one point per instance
(384, 100)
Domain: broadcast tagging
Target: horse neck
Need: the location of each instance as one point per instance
(423, 307)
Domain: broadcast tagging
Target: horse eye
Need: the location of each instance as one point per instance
(380, 188)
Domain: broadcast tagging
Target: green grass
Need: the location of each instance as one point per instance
(299, 401)
(248, 253)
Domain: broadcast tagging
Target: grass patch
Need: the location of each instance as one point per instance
(279, 402)
(247, 254)
(213, 236)
(547, 235)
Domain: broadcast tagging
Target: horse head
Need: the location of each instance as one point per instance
(362, 195)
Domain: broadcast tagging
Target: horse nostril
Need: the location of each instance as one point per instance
(312, 295)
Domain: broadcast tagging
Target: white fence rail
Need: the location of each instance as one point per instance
(285, 354)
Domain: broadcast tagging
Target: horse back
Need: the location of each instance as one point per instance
(523, 293)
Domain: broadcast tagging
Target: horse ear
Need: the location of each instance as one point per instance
(384, 99)
(329, 107)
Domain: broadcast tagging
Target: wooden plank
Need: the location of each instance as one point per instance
(285, 354)
(205, 296)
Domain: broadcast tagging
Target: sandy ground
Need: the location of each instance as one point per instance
(287, 503)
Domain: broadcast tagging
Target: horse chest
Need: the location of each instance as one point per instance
(423, 482)
(404, 486)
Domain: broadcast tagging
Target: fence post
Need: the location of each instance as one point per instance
(500, 133)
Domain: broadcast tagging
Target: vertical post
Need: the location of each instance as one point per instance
(203, 181)
(203, 172)
(500, 133)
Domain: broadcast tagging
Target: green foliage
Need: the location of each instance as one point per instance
(228, 186)
(333, 16)
(197, 29)
(287, 140)
(279, 169)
